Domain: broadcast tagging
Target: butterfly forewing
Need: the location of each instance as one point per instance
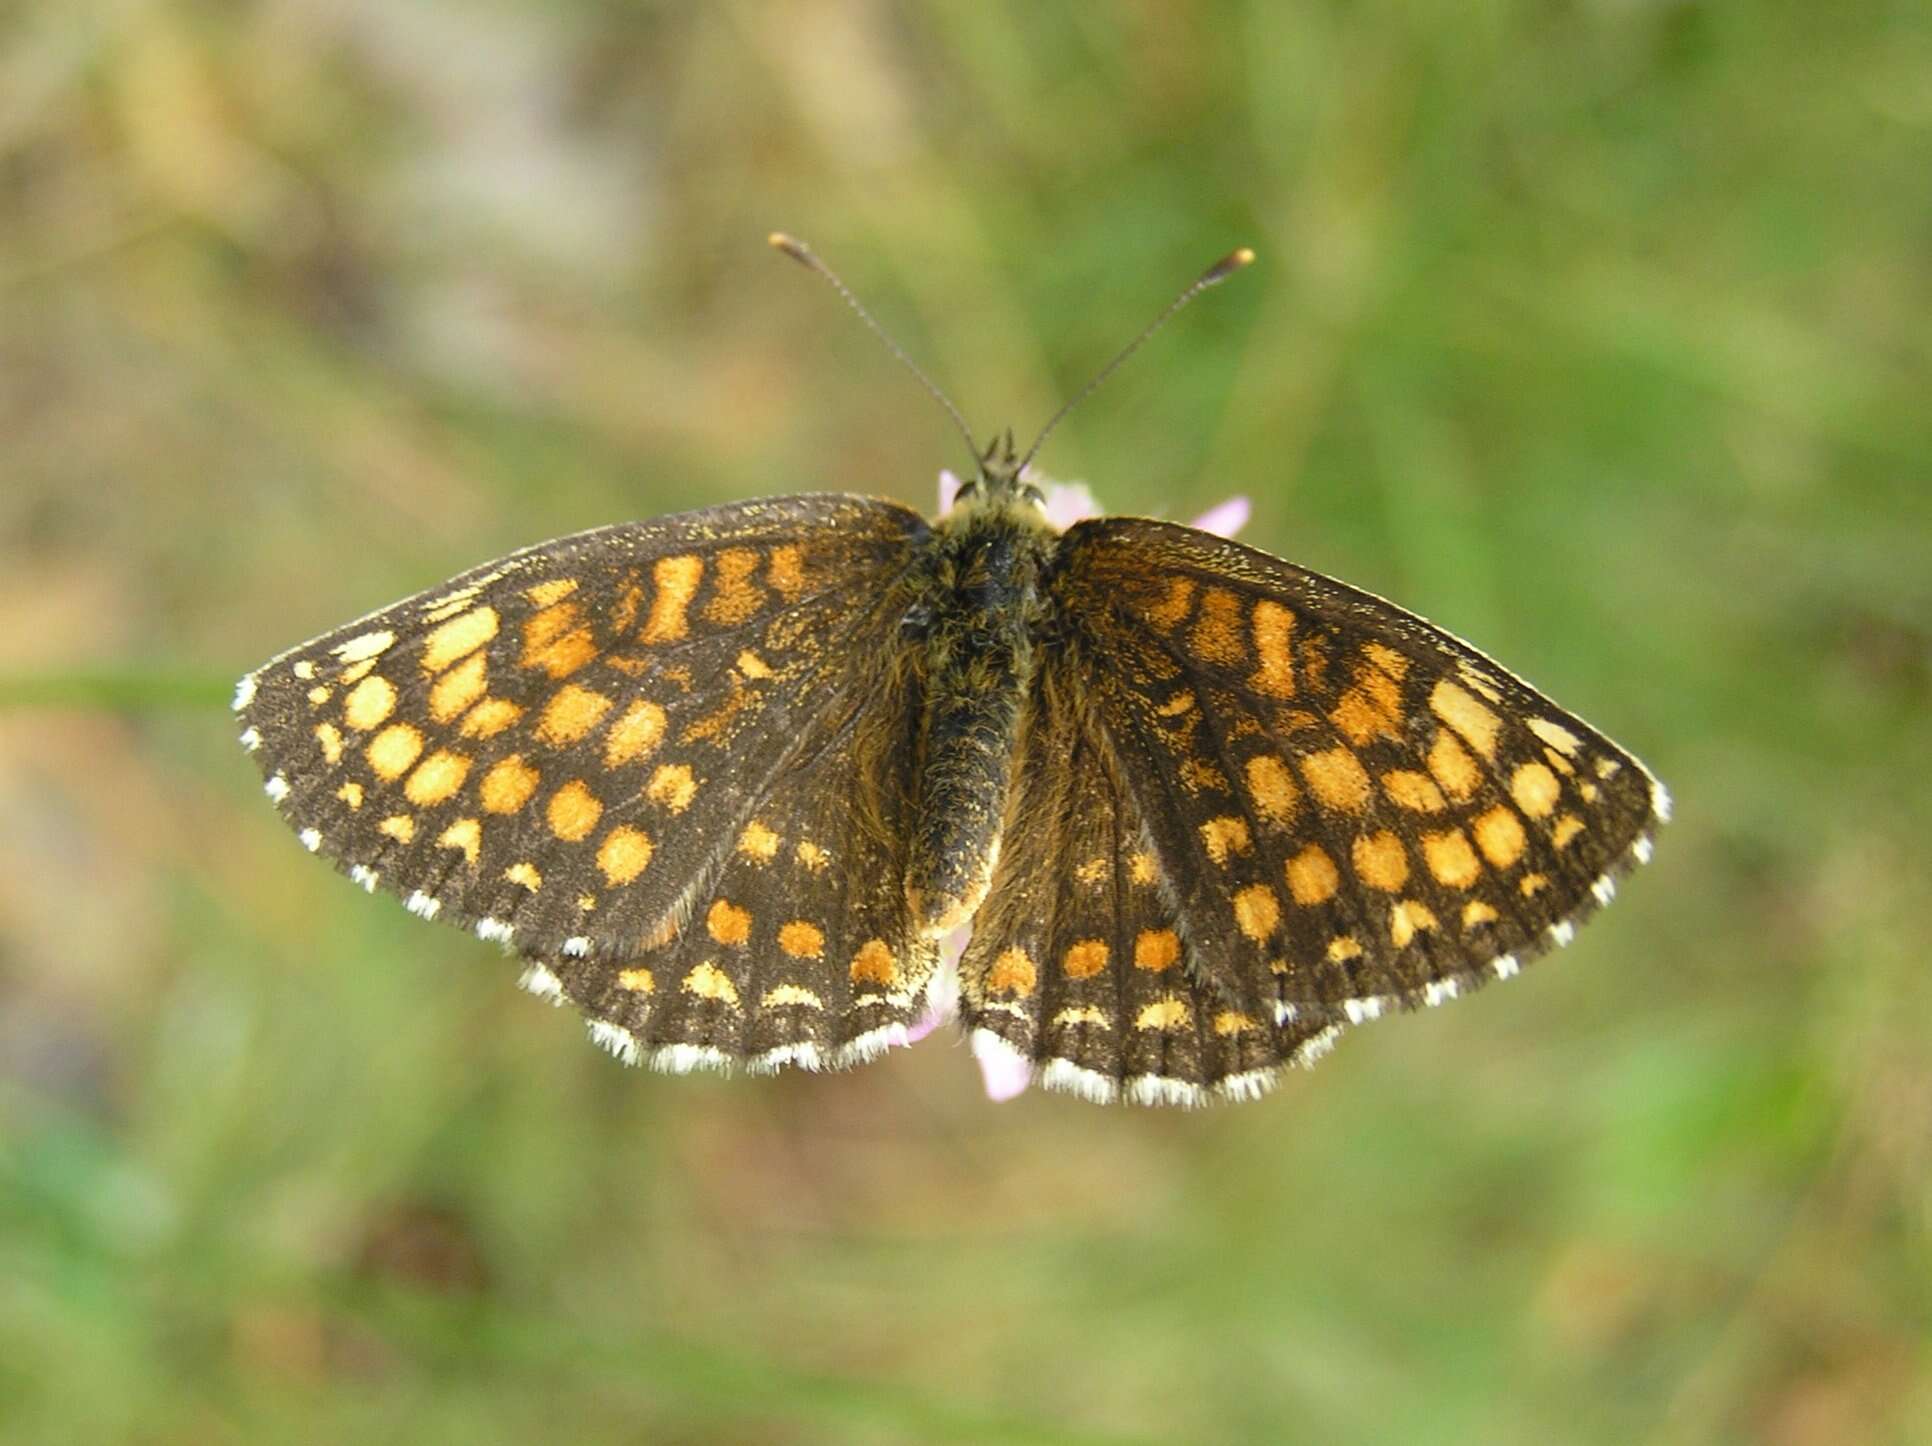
(561, 748)
(1352, 808)
(1077, 958)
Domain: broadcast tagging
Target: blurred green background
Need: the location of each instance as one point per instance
(1595, 330)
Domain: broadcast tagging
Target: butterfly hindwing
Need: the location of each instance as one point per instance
(800, 948)
(561, 747)
(1354, 808)
(1077, 959)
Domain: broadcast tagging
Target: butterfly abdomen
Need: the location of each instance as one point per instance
(982, 610)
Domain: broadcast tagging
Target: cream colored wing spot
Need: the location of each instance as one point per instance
(1164, 1014)
(392, 751)
(458, 638)
(358, 649)
(455, 690)
(369, 702)
(1407, 919)
(1535, 790)
(708, 981)
(1477, 724)
(1453, 768)
(466, 835)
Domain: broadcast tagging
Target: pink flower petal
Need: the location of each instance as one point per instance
(949, 485)
(1069, 502)
(1226, 518)
(1005, 1072)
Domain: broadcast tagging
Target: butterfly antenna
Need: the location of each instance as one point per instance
(806, 257)
(1217, 273)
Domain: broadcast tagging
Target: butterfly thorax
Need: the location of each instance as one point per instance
(977, 614)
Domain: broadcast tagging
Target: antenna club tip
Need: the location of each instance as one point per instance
(1228, 265)
(790, 245)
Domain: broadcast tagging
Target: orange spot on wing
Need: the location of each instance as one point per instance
(1500, 836)
(557, 640)
(1535, 790)
(1012, 973)
(873, 964)
(1453, 768)
(1156, 950)
(727, 923)
(1450, 858)
(785, 570)
(1380, 861)
(672, 787)
(573, 811)
(1414, 791)
(636, 733)
(1215, 637)
(1312, 876)
(1274, 647)
(507, 786)
(1223, 836)
(1257, 911)
(624, 854)
(676, 579)
(570, 714)
(735, 597)
(1336, 777)
(1085, 958)
(436, 778)
(801, 939)
(489, 718)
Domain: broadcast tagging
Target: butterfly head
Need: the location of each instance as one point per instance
(1000, 478)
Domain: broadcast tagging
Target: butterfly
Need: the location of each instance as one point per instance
(726, 779)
